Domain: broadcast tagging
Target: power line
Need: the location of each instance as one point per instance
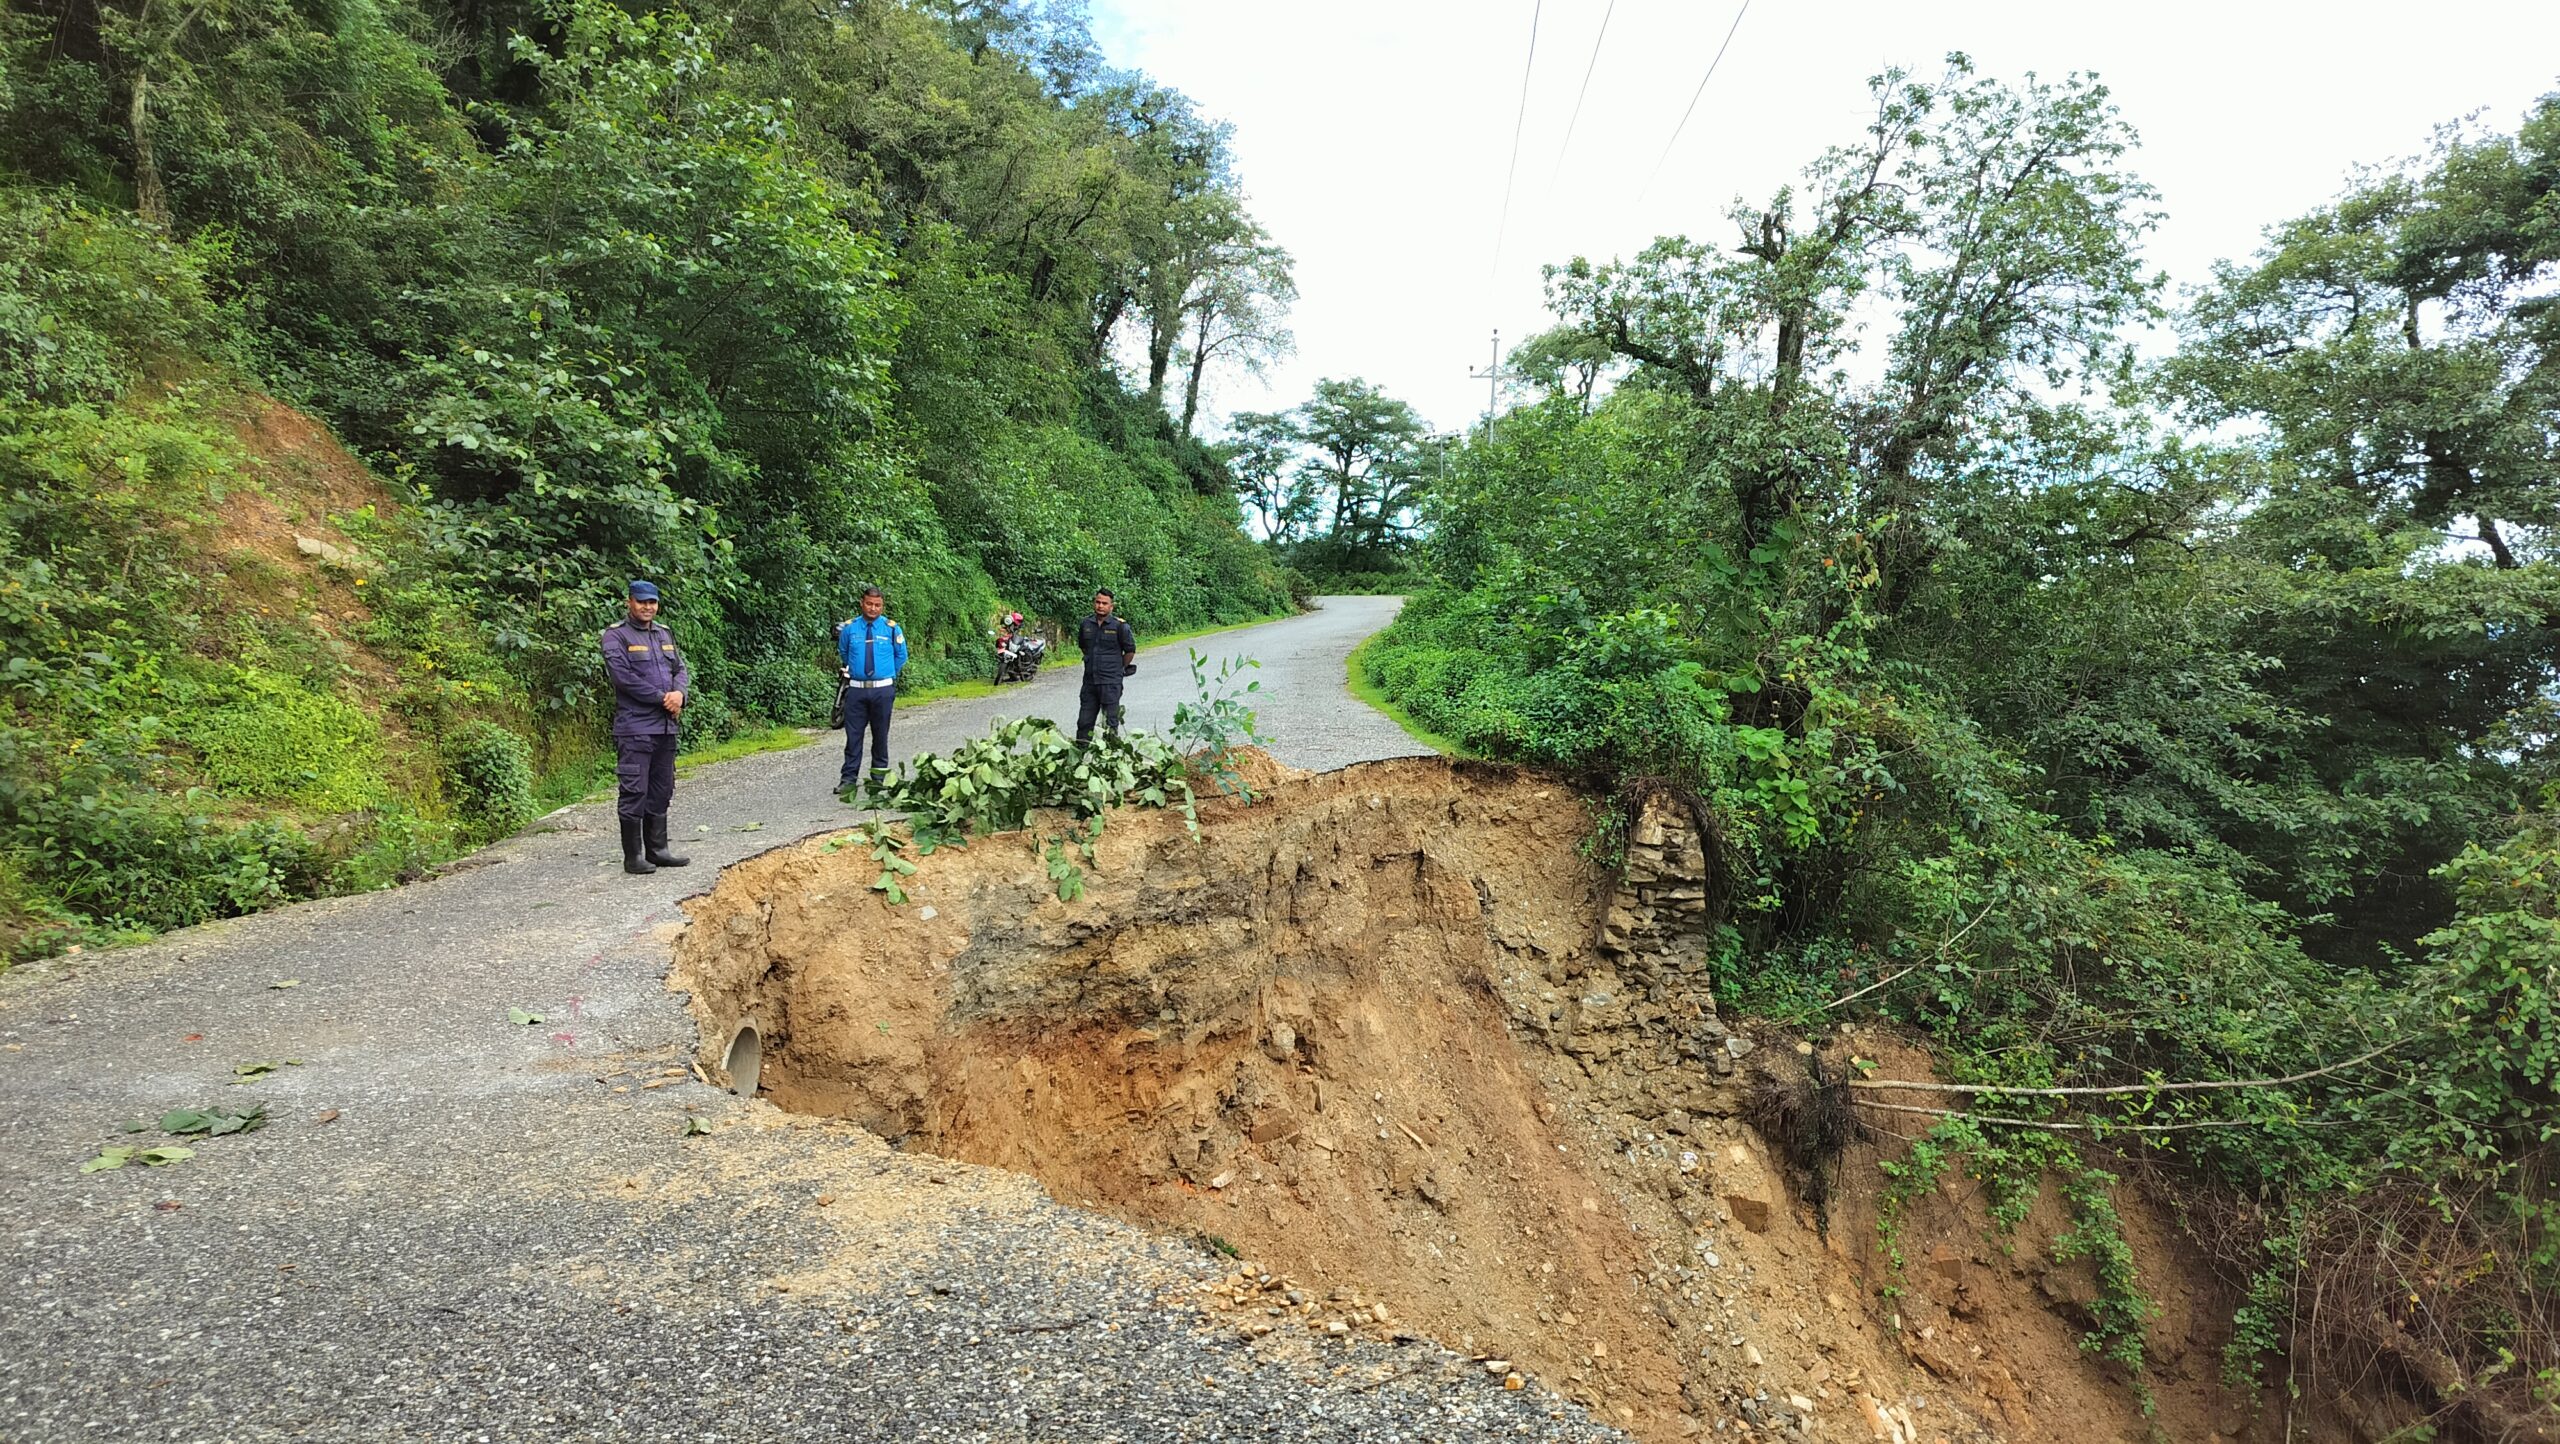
(1693, 99)
(1563, 149)
(1513, 174)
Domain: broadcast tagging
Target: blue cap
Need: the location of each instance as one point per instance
(642, 591)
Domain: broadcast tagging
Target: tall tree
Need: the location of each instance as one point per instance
(2000, 228)
(1236, 310)
(1261, 451)
(1562, 361)
(1186, 222)
(2391, 364)
(1363, 463)
(2404, 343)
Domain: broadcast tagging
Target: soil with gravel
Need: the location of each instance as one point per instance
(1370, 1033)
(460, 1226)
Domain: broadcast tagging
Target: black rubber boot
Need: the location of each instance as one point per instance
(656, 832)
(632, 861)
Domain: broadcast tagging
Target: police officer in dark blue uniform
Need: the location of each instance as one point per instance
(1110, 655)
(649, 683)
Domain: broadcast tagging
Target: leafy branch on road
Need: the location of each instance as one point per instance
(994, 783)
(212, 1122)
(1217, 722)
(997, 782)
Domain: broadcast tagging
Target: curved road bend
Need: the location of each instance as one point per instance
(500, 1233)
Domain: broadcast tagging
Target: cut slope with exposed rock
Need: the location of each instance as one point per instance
(1428, 1071)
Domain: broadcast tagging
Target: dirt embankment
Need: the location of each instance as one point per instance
(1366, 1033)
(275, 548)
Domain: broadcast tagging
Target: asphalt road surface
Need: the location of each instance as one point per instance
(460, 1227)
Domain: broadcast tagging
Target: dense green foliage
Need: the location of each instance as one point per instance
(106, 634)
(489, 774)
(763, 302)
(2112, 723)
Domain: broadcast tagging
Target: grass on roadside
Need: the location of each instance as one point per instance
(747, 744)
(1150, 643)
(580, 779)
(589, 778)
(1357, 677)
(965, 687)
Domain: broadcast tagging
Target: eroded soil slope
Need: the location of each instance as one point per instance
(1365, 1033)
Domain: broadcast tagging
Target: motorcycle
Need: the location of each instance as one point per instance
(1018, 652)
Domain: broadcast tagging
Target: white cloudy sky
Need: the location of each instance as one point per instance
(1374, 135)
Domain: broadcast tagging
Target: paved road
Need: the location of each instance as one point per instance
(460, 1228)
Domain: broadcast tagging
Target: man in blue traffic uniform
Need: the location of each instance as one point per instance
(873, 650)
(649, 683)
(1110, 655)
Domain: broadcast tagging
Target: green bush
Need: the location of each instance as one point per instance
(276, 740)
(32, 923)
(86, 295)
(90, 837)
(1359, 583)
(1302, 588)
(395, 845)
(488, 771)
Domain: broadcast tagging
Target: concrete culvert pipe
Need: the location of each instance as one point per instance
(744, 1061)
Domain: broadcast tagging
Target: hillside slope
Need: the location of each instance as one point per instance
(221, 696)
(836, 302)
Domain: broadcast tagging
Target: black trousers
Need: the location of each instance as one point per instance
(865, 707)
(1098, 697)
(645, 770)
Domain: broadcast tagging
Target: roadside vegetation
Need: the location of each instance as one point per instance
(762, 302)
(2168, 741)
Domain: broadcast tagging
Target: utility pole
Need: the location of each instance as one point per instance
(1491, 376)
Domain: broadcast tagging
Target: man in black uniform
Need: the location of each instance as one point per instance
(649, 682)
(1110, 653)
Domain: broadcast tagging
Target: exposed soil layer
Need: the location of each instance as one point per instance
(277, 544)
(1364, 1033)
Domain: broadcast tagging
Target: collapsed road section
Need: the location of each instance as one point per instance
(1390, 1039)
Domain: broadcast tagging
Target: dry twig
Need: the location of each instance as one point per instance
(2203, 1085)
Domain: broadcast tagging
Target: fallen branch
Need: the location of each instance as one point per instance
(1885, 981)
(1895, 977)
(1887, 1084)
(2065, 1127)
(1043, 1328)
